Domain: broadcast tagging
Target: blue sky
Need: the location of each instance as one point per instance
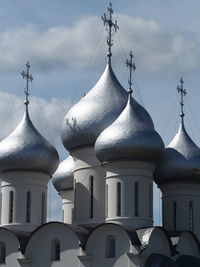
(65, 43)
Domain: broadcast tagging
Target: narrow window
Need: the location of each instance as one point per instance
(43, 214)
(107, 201)
(2, 252)
(136, 189)
(28, 207)
(118, 199)
(55, 250)
(110, 247)
(63, 216)
(191, 216)
(175, 215)
(10, 220)
(163, 212)
(150, 201)
(91, 212)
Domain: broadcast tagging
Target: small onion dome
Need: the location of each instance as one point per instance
(26, 150)
(130, 136)
(63, 178)
(181, 159)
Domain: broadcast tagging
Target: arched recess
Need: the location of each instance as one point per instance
(108, 245)
(2, 253)
(10, 247)
(64, 238)
(188, 244)
(155, 240)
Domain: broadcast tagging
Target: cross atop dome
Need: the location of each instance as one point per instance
(26, 75)
(110, 25)
(183, 92)
(132, 67)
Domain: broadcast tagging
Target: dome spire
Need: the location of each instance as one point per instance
(132, 67)
(183, 92)
(110, 25)
(26, 75)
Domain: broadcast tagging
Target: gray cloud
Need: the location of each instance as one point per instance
(158, 50)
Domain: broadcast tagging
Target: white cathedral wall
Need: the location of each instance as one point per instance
(128, 173)
(182, 194)
(96, 247)
(39, 248)
(12, 248)
(155, 241)
(188, 245)
(86, 166)
(20, 183)
(67, 206)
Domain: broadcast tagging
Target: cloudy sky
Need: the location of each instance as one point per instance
(65, 44)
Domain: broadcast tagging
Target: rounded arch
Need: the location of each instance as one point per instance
(129, 232)
(188, 244)
(9, 246)
(65, 249)
(114, 241)
(156, 241)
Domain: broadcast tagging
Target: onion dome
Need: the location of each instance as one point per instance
(94, 112)
(63, 178)
(100, 106)
(181, 159)
(25, 149)
(131, 135)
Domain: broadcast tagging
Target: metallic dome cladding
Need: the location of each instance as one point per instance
(181, 159)
(63, 178)
(25, 149)
(131, 136)
(94, 112)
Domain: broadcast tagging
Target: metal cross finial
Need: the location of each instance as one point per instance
(108, 22)
(183, 93)
(26, 75)
(132, 67)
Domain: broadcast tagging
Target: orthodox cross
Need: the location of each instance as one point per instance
(26, 75)
(108, 22)
(183, 94)
(132, 67)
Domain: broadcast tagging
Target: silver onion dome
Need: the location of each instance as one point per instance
(25, 149)
(130, 136)
(181, 159)
(63, 178)
(94, 112)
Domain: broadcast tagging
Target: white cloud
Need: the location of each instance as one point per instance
(46, 115)
(157, 49)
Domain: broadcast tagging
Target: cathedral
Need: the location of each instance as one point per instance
(106, 184)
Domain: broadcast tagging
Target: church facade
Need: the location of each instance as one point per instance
(106, 184)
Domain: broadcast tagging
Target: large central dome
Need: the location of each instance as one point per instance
(99, 108)
(94, 112)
